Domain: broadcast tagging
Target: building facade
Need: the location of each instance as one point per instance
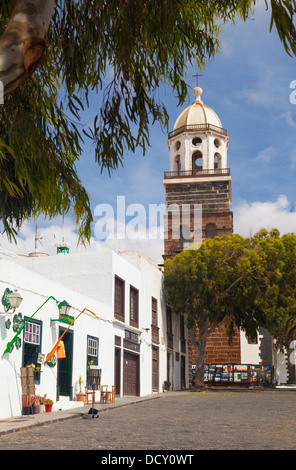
(122, 326)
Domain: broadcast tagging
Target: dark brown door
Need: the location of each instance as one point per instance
(155, 375)
(117, 371)
(131, 383)
(183, 383)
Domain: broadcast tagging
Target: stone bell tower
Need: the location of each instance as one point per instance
(198, 183)
(198, 196)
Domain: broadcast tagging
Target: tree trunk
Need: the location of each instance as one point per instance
(23, 41)
(200, 346)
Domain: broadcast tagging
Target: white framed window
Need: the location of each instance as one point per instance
(92, 347)
(32, 333)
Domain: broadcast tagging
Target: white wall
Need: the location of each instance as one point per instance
(35, 289)
(250, 353)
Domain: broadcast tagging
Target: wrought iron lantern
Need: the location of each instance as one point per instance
(64, 308)
(14, 299)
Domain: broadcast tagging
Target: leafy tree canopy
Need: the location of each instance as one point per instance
(143, 43)
(236, 281)
(279, 300)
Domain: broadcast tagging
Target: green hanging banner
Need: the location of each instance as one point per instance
(19, 325)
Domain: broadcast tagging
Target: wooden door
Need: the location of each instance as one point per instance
(131, 384)
(117, 370)
(183, 375)
(155, 369)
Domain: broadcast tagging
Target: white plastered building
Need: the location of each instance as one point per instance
(126, 329)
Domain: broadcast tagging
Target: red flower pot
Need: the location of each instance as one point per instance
(48, 408)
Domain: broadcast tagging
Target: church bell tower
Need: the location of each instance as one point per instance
(198, 183)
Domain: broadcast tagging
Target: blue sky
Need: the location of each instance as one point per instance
(247, 85)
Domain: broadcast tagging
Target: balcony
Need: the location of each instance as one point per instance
(197, 127)
(197, 174)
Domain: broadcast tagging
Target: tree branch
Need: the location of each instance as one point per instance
(213, 327)
(238, 280)
(23, 41)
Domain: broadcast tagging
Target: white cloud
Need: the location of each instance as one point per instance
(251, 217)
(248, 219)
(288, 118)
(123, 237)
(266, 154)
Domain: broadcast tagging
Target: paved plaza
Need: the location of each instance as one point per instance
(186, 421)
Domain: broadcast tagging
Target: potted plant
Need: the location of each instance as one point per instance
(80, 396)
(48, 405)
(42, 404)
(35, 407)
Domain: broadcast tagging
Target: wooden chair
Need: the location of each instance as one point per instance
(103, 393)
(111, 395)
(107, 396)
(90, 392)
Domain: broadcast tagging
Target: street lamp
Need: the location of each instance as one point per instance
(15, 300)
(64, 308)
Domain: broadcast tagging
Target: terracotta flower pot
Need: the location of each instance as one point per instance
(81, 397)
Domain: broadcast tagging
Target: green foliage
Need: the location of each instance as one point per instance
(238, 282)
(279, 301)
(282, 16)
(126, 49)
(221, 281)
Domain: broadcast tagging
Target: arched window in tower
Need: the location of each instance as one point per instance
(197, 163)
(178, 165)
(211, 231)
(217, 162)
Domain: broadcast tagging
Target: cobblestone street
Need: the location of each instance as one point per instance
(207, 420)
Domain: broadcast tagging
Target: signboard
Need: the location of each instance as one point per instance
(131, 336)
(93, 378)
(236, 373)
(40, 358)
(66, 318)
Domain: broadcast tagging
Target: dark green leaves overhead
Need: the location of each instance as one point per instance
(125, 49)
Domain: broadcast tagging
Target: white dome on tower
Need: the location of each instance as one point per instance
(198, 143)
(197, 113)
